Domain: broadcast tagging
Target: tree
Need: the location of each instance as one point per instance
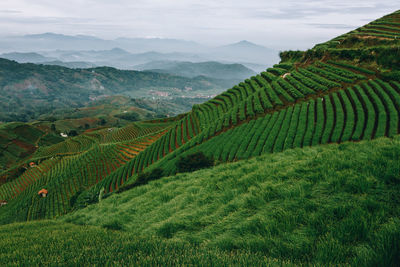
(73, 133)
(194, 162)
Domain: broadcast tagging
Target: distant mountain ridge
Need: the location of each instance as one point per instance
(172, 63)
(208, 69)
(29, 57)
(241, 52)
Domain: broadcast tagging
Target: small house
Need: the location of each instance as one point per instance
(285, 75)
(3, 203)
(43, 193)
(64, 135)
(32, 164)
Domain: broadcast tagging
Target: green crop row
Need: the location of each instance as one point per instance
(388, 33)
(290, 89)
(341, 72)
(318, 79)
(329, 75)
(350, 114)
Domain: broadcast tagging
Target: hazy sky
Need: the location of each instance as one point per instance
(276, 23)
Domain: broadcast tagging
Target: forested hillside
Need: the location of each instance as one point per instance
(29, 90)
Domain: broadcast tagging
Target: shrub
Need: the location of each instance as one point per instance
(73, 133)
(194, 162)
(83, 199)
(143, 178)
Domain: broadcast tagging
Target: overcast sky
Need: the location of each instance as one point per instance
(273, 23)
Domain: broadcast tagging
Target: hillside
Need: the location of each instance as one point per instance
(19, 140)
(289, 206)
(325, 205)
(317, 188)
(88, 158)
(116, 111)
(294, 104)
(94, 245)
(29, 90)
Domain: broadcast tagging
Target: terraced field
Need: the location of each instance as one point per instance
(104, 136)
(74, 166)
(385, 31)
(284, 107)
(388, 27)
(313, 101)
(18, 141)
(367, 111)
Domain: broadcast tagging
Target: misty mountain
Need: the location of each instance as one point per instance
(40, 59)
(119, 58)
(209, 69)
(26, 57)
(53, 41)
(127, 52)
(61, 37)
(245, 51)
(181, 64)
(71, 64)
(93, 56)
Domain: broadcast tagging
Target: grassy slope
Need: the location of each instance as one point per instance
(61, 244)
(326, 204)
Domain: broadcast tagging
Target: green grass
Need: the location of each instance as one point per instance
(331, 204)
(326, 205)
(50, 243)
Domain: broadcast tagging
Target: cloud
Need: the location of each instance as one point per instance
(332, 26)
(308, 9)
(9, 11)
(285, 21)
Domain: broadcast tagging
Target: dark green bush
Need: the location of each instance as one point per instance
(143, 178)
(72, 133)
(83, 198)
(194, 162)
